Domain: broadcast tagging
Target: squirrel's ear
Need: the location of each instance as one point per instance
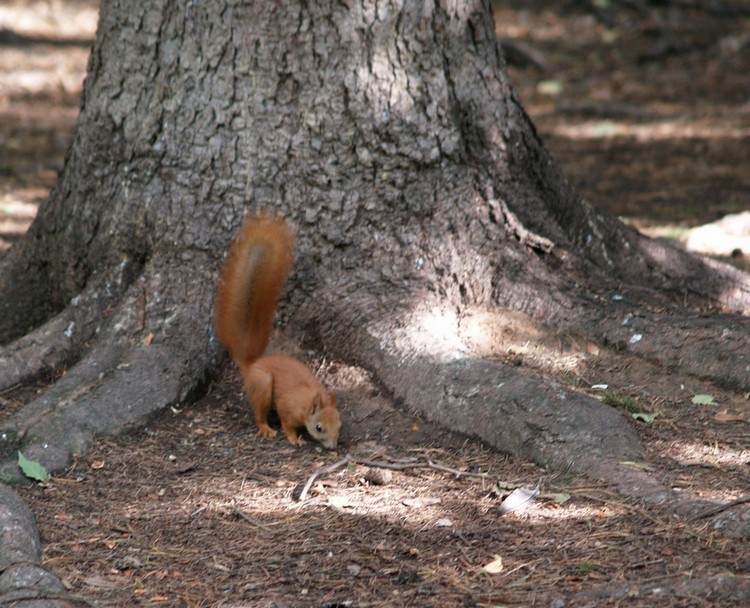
(316, 402)
(332, 398)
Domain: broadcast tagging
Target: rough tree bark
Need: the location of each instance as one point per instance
(426, 206)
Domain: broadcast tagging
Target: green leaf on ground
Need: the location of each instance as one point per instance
(32, 469)
(704, 400)
(644, 417)
(558, 497)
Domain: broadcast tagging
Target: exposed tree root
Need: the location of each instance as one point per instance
(715, 348)
(424, 359)
(21, 574)
(151, 354)
(20, 540)
(544, 422)
(657, 269)
(648, 298)
(62, 338)
(701, 281)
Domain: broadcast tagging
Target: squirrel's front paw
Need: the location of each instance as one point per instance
(295, 439)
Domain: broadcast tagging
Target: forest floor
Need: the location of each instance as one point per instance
(648, 111)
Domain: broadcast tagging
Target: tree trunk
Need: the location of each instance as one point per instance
(430, 218)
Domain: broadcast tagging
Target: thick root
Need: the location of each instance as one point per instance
(62, 338)
(151, 354)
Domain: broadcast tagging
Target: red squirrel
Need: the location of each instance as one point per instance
(249, 288)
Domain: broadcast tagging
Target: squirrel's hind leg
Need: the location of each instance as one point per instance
(259, 387)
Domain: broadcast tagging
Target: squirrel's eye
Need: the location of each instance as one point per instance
(319, 428)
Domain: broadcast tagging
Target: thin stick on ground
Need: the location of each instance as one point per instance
(382, 465)
(324, 471)
(716, 510)
(251, 520)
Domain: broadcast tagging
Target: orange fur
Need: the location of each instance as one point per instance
(250, 285)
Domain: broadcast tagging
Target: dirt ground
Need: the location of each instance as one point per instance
(648, 111)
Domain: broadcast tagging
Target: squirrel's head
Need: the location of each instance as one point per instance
(324, 423)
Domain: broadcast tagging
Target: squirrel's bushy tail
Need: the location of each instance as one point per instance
(250, 285)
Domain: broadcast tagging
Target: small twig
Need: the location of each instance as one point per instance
(715, 510)
(623, 505)
(10, 389)
(324, 471)
(383, 465)
(390, 465)
(456, 472)
(416, 465)
(251, 520)
(651, 562)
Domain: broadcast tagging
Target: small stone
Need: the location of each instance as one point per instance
(378, 477)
